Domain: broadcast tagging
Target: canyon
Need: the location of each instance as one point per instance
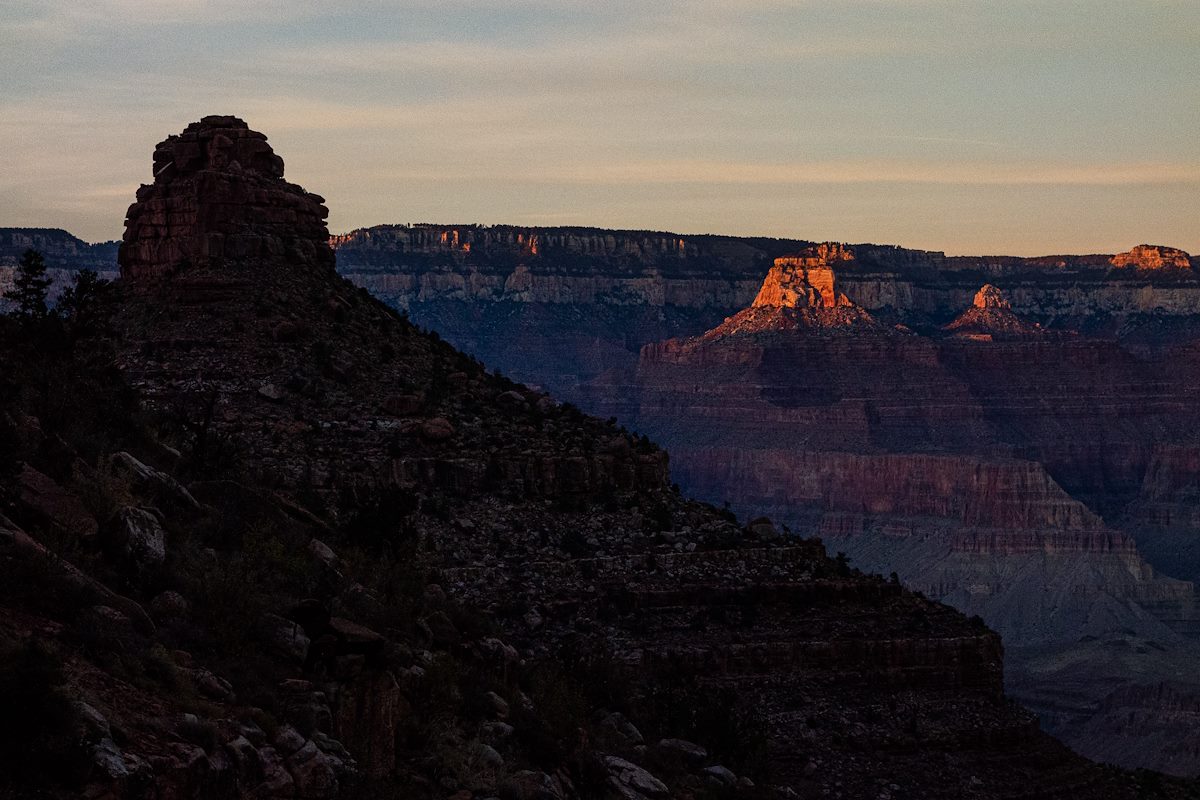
(318, 552)
(1010, 436)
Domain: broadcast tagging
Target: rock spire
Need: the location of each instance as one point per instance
(219, 198)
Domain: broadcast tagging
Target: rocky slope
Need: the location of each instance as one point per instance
(986, 462)
(1077, 367)
(379, 569)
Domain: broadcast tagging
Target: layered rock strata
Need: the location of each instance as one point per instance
(562, 529)
(990, 463)
(585, 299)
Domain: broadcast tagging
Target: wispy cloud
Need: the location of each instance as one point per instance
(680, 113)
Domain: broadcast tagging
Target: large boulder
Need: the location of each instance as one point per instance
(285, 637)
(139, 537)
(632, 782)
(153, 485)
(49, 501)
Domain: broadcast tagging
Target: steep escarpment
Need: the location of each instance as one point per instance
(346, 558)
(585, 299)
(989, 463)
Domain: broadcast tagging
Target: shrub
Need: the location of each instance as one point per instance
(41, 739)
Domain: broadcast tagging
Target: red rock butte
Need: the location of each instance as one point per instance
(1150, 256)
(219, 197)
(989, 296)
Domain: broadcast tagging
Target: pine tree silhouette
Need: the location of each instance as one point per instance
(30, 286)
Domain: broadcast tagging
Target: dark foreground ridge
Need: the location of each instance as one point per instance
(330, 556)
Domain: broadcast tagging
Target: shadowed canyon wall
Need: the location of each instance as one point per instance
(1000, 432)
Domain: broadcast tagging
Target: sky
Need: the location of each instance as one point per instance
(1023, 127)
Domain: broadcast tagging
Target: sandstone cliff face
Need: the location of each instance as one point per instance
(219, 197)
(1147, 256)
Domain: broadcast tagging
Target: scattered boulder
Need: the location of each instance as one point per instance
(106, 626)
(496, 731)
(512, 401)
(617, 723)
(763, 529)
(323, 553)
(720, 775)
(15, 543)
(631, 781)
(441, 629)
(354, 638)
(156, 485)
(140, 538)
(403, 405)
(682, 750)
(212, 685)
(277, 781)
(437, 429)
(272, 392)
(434, 595)
(244, 756)
(169, 605)
(498, 704)
(284, 636)
(487, 756)
(531, 785)
(43, 496)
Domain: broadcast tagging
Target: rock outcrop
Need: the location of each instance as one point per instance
(219, 198)
(1152, 257)
(991, 315)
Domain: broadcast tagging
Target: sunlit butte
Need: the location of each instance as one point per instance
(1023, 128)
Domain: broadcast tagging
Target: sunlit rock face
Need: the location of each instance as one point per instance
(991, 315)
(807, 279)
(989, 296)
(219, 198)
(801, 291)
(1148, 256)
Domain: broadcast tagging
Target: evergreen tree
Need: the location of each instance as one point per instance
(30, 285)
(79, 303)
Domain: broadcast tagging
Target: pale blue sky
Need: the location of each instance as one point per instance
(971, 127)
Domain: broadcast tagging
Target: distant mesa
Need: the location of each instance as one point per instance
(800, 292)
(219, 198)
(1151, 256)
(805, 280)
